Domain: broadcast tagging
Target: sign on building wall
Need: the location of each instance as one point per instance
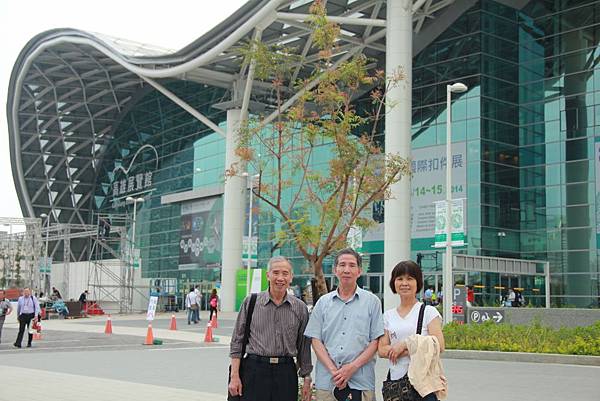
(429, 184)
(200, 236)
(428, 187)
(136, 178)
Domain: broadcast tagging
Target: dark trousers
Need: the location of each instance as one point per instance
(1, 324)
(24, 320)
(211, 313)
(263, 381)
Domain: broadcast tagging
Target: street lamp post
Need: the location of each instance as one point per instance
(448, 276)
(135, 201)
(249, 248)
(46, 278)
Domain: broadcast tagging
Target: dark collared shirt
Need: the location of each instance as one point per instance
(276, 330)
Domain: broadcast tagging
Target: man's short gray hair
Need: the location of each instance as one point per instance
(276, 259)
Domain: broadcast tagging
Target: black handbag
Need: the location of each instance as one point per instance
(244, 343)
(401, 389)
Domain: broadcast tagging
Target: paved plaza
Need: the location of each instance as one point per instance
(75, 360)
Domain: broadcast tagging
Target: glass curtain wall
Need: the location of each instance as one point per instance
(528, 120)
(179, 141)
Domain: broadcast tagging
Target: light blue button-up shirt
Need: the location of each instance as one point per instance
(28, 305)
(346, 328)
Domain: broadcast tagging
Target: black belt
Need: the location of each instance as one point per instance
(273, 360)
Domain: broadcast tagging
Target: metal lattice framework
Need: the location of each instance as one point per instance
(69, 88)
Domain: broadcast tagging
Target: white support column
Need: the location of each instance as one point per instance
(398, 137)
(233, 216)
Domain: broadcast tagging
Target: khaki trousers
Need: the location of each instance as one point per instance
(323, 395)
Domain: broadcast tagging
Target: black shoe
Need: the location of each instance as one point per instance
(28, 345)
(17, 345)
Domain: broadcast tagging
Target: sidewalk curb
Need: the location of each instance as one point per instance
(583, 360)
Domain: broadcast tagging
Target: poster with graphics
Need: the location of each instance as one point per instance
(201, 234)
(428, 186)
(457, 223)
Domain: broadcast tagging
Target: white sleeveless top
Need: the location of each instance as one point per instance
(401, 328)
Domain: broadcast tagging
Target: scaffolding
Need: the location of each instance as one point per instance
(113, 263)
(20, 250)
(61, 232)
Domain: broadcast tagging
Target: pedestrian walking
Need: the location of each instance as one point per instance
(345, 326)
(271, 342)
(213, 303)
(5, 310)
(199, 302)
(28, 310)
(191, 303)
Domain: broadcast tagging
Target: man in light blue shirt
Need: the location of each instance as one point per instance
(345, 326)
(28, 310)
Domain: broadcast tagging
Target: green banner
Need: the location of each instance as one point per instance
(457, 222)
(258, 278)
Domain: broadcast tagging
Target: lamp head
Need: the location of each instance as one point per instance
(458, 87)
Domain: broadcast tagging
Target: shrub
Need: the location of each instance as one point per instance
(533, 338)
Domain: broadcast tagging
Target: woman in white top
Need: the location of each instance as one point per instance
(401, 322)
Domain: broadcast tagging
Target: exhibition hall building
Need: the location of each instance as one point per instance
(136, 140)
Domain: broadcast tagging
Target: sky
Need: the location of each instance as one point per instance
(169, 24)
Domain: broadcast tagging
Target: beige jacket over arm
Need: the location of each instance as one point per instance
(425, 370)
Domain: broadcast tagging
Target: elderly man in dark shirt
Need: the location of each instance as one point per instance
(268, 371)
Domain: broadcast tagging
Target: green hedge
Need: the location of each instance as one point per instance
(533, 338)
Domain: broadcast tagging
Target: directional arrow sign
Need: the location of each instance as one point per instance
(482, 315)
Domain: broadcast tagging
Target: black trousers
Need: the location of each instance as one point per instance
(24, 320)
(1, 324)
(263, 381)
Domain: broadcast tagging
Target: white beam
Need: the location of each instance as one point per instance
(233, 215)
(337, 20)
(418, 4)
(398, 137)
(186, 106)
(249, 79)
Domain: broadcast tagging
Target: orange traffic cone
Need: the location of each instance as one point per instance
(149, 336)
(173, 323)
(208, 337)
(213, 321)
(108, 328)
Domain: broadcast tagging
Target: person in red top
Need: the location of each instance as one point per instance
(213, 303)
(470, 296)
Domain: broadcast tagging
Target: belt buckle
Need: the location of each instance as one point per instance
(273, 360)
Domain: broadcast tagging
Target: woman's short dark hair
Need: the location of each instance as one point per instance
(410, 268)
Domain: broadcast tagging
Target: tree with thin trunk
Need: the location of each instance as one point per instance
(320, 162)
